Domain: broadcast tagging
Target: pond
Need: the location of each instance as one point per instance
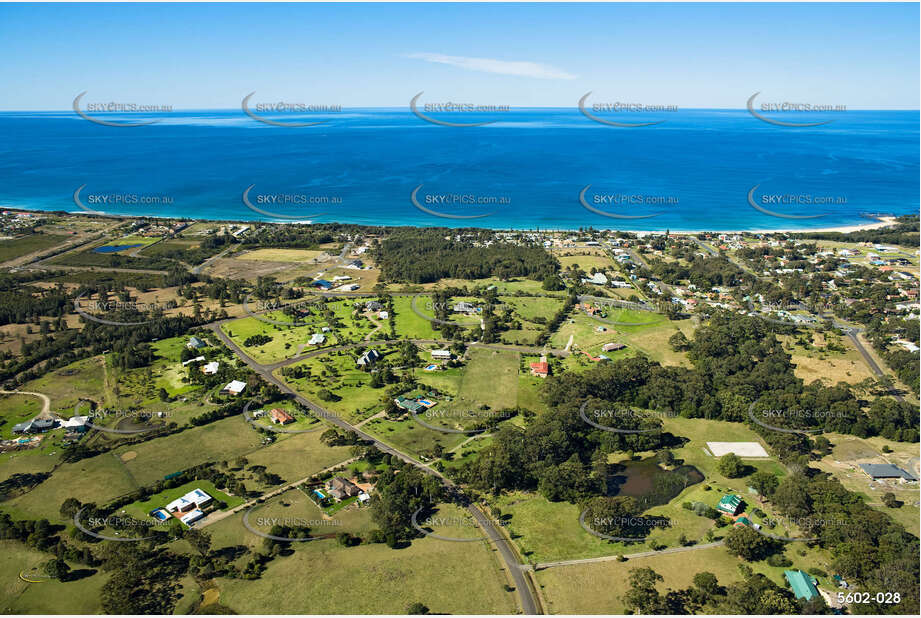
(649, 483)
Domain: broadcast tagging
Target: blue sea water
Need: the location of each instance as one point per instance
(693, 172)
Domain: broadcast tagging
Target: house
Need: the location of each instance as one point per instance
(196, 344)
(76, 424)
(597, 279)
(42, 422)
(730, 504)
(373, 305)
(234, 388)
(802, 584)
(322, 284)
(541, 368)
(441, 354)
(368, 358)
(211, 368)
(341, 488)
(195, 499)
(886, 471)
(609, 347)
(280, 417)
(410, 405)
(383, 315)
(464, 307)
(193, 360)
(191, 517)
(317, 339)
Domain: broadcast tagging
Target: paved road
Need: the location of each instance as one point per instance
(642, 554)
(521, 580)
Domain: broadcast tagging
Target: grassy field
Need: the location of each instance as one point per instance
(338, 373)
(140, 510)
(816, 362)
(374, 579)
(608, 581)
(16, 409)
(848, 451)
(586, 262)
(67, 385)
(96, 479)
(490, 378)
(547, 531)
(81, 596)
(152, 460)
(24, 245)
(282, 255)
(297, 456)
(287, 341)
(409, 325)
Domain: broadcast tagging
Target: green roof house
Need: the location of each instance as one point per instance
(730, 504)
(803, 585)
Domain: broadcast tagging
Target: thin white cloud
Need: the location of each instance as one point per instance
(502, 67)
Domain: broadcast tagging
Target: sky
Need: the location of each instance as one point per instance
(209, 56)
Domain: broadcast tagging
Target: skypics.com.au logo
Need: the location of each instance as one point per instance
(115, 309)
(449, 108)
(790, 110)
(256, 111)
(458, 204)
(633, 205)
(622, 111)
(292, 206)
(119, 108)
(112, 201)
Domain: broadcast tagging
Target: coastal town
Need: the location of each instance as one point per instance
(243, 390)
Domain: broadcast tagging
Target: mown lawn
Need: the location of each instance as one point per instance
(81, 596)
(374, 579)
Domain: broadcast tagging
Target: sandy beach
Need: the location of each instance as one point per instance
(880, 223)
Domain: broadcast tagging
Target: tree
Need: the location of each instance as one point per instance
(665, 458)
(890, 500)
(707, 584)
(749, 544)
(731, 466)
(56, 568)
(642, 597)
(417, 609)
(679, 342)
(199, 539)
(764, 483)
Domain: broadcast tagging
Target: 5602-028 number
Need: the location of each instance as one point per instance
(888, 598)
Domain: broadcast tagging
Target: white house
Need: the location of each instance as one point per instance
(234, 388)
(441, 354)
(211, 368)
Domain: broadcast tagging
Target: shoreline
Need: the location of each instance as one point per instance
(877, 223)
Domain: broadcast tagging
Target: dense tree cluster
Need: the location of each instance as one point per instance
(426, 255)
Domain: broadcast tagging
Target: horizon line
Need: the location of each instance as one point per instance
(512, 108)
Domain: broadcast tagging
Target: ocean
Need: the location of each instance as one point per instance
(530, 168)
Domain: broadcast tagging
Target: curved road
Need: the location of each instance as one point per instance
(522, 582)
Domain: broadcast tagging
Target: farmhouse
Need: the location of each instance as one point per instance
(597, 279)
(441, 354)
(317, 339)
(195, 499)
(211, 368)
(322, 284)
(341, 488)
(464, 307)
(196, 344)
(886, 471)
(40, 423)
(373, 305)
(541, 368)
(368, 358)
(729, 504)
(280, 417)
(802, 584)
(608, 347)
(234, 388)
